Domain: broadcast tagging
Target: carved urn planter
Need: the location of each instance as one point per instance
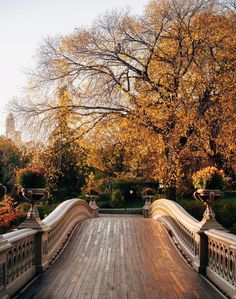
(34, 195)
(148, 199)
(92, 198)
(148, 195)
(32, 183)
(207, 197)
(206, 181)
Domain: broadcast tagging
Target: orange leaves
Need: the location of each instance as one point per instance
(8, 212)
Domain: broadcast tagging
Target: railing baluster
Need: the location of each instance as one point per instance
(25, 252)
(211, 251)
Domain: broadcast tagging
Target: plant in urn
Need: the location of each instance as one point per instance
(32, 181)
(148, 195)
(209, 183)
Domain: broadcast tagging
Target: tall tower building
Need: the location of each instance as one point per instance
(11, 133)
(10, 125)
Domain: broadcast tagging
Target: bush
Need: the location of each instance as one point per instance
(31, 177)
(24, 208)
(104, 200)
(117, 199)
(8, 213)
(225, 210)
(125, 185)
(45, 209)
(193, 207)
(209, 178)
(148, 191)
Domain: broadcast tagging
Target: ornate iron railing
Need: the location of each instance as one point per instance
(25, 252)
(211, 252)
(221, 267)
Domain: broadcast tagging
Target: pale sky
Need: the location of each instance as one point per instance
(25, 23)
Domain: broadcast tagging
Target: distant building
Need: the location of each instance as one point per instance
(11, 132)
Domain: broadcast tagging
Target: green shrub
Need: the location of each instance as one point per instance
(209, 178)
(193, 207)
(225, 210)
(125, 185)
(104, 200)
(117, 199)
(24, 208)
(45, 209)
(148, 191)
(31, 177)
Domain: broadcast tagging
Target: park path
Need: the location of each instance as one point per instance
(117, 258)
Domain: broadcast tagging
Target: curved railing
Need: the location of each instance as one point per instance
(211, 252)
(183, 226)
(61, 222)
(25, 252)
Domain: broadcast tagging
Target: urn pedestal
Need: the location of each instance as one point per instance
(148, 201)
(34, 195)
(92, 200)
(207, 197)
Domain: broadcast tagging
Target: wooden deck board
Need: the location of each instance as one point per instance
(120, 258)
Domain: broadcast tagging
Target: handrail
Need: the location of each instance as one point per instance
(183, 226)
(61, 222)
(171, 208)
(25, 252)
(210, 251)
(61, 210)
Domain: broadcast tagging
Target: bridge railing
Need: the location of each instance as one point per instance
(136, 211)
(221, 266)
(26, 252)
(211, 252)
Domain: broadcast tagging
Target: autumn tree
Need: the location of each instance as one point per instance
(64, 156)
(11, 158)
(118, 148)
(170, 71)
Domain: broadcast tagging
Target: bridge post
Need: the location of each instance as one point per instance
(146, 209)
(41, 250)
(4, 246)
(201, 257)
(94, 207)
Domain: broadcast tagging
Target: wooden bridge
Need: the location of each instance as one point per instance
(116, 256)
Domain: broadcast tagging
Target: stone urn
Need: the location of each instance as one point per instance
(33, 195)
(92, 199)
(207, 197)
(148, 195)
(148, 199)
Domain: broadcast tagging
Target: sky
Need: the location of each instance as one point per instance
(25, 23)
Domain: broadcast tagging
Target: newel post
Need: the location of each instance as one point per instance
(4, 247)
(95, 208)
(93, 205)
(146, 209)
(41, 249)
(201, 254)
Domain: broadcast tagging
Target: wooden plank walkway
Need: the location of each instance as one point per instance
(118, 258)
